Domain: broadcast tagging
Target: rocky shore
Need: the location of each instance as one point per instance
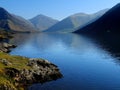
(5, 47)
(21, 74)
(17, 72)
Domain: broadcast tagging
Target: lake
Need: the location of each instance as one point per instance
(84, 63)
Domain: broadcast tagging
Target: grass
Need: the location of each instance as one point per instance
(4, 82)
(18, 62)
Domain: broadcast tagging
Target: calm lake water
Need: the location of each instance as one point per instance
(84, 63)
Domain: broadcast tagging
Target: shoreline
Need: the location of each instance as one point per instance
(17, 72)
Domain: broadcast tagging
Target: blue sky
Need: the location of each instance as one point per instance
(57, 9)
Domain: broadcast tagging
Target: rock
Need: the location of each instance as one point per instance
(12, 72)
(41, 71)
(5, 47)
(5, 62)
(7, 87)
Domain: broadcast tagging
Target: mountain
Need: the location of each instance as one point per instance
(106, 31)
(107, 25)
(75, 21)
(42, 22)
(15, 23)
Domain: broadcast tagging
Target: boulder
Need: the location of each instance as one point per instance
(5, 47)
(5, 62)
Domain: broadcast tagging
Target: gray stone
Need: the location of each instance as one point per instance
(41, 71)
(5, 62)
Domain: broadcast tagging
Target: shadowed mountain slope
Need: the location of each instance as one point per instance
(108, 24)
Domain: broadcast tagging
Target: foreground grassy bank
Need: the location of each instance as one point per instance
(17, 62)
(17, 72)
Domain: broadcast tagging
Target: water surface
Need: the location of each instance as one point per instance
(84, 63)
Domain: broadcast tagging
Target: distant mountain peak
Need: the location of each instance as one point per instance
(79, 14)
(43, 22)
(41, 15)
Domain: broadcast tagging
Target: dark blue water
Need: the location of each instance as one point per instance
(84, 64)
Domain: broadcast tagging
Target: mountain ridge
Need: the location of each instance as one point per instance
(12, 22)
(76, 21)
(43, 22)
(109, 23)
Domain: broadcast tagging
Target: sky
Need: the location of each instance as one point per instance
(57, 9)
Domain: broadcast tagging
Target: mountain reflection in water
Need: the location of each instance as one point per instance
(86, 63)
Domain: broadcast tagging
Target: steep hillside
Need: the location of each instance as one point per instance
(15, 23)
(108, 24)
